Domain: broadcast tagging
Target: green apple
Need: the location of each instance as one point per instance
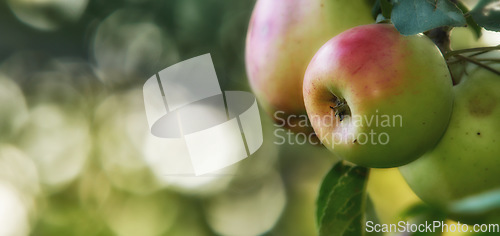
(377, 98)
(390, 194)
(467, 160)
(283, 36)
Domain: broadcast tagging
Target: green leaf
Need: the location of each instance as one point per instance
(330, 180)
(371, 215)
(376, 9)
(473, 26)
(382, 10)
(487, 14)
(478, 204)
(422, 210)
(341, 212)
(386, 7)
(414, 210)
(381, 19)
(416, 16)
(421, 213)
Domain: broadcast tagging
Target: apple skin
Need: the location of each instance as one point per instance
(282, 37)
(379, 73)
(467, 159)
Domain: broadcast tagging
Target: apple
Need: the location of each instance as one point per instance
(377, 98)
(390, 194)
(467, 159)
(283, 36)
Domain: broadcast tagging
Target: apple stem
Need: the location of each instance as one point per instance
(441, 37)
(341, 108)
(474, 61)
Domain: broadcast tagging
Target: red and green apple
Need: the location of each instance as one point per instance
(283, 36)
(377, 98)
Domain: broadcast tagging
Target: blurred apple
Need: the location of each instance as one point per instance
(283, 36)
(462, 38)
(465, 162)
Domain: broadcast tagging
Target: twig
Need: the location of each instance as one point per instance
(480, 49)
(478, 53)
(474, 61)
(488, 59)
(477, 59)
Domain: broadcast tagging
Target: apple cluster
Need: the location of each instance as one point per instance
(376, 98)
(466, 161)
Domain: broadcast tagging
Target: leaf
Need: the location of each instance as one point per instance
(376, 9)
(421, 210)
(371, 215)
(382, 9)
(414, 210)
(473, 26)
(386, 7)
(381, 19)
(478, 204)
(416, 16)
(341, 213)
(487, 14)
(330, 180)
(421, 213)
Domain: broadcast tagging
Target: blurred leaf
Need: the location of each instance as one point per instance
(421, 209)
(487, 14)
(386, 7)
(414, 210)
(371, 215)
(341, 213)
(421, 213)
(376, 9)
(476, 29)
(416, 16)
(477, 204)
(327, 185)
(382, 19)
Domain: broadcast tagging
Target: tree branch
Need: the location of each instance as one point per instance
(471, 60)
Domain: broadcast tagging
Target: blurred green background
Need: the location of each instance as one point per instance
(74, 152)
(73, 132)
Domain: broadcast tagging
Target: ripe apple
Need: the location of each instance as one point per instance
(390, 194)
(283, 36)
(377, 98)
(467, 159)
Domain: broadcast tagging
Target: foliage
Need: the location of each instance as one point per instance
(411, 17)
(341, 201)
